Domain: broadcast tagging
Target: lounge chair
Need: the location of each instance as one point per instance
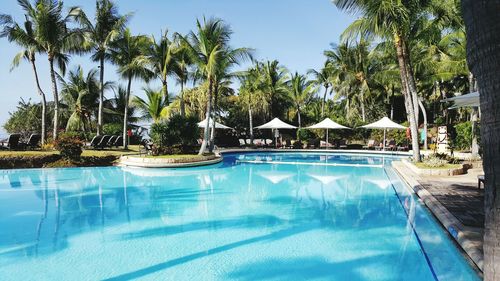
(32, 143)
(103, 142)
(242, 142)
(111, 141)
(146, 147)
(371, 144)
(94, 142)
(12, 142)
(341, 144)
(324, 144)
(118, 141)
(392, 145)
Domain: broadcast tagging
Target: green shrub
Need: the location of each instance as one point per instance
(115, 129)
(463, 138)
(69, 145)
(175, 135)
(305, 134)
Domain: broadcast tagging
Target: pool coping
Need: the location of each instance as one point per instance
(452, 225)
(143, 162)
(340, 151)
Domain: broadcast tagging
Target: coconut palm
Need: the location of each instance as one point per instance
(124, 52)
(25, 38)
(393, 21)
(483, 55)
(275, 77)
(181, 65)
(322, 78)
(107, 25)
(154, 107)
(55, 38)
(80, 94)
(206, 46)
(300, 91)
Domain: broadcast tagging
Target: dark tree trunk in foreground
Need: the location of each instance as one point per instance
(483, 55)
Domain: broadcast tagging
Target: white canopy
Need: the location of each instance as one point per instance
(384, 123)
(327, 124)
(218, 125)
(276, 123)
(467, 100)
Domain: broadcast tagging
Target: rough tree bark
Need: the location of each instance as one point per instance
(125, 116)
(483, 56)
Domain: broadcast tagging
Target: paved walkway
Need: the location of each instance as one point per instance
(456, 202)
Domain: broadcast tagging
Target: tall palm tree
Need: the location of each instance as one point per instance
(124, 53)
(323, 77)
(154, 107)
(275, 77)
(158, 56)
(55, 38)
(80, 92)
(301, 91)
(181, 65)
(206, 46)
(25, 38)
(392, 20)
(107, 25)
(483, 55)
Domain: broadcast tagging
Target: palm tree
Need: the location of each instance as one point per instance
(124, 52)
(154, 107)
(483, 55)
(159, 58)
(206, 47)
(275, 77)
(301, 92)
(80, 92)
(392, 20)
(55, 39)
(181, 65)
(25, 38)
(108, 24)
(323, 78)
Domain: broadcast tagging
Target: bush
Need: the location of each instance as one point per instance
(305, 134)
(69, 145)
(463, 137)
(115, 129)
(175, 135)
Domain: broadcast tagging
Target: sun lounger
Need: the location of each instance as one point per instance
(118, 141)
(32, 143)
(12, 142)
(372, 144)
(103, 142)
(146, 147)
(111, 141)
(242, 142)
(94, 142)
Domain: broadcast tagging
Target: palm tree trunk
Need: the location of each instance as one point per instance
(323, 103)
(44, 101)
(410, 108)
(483, 56)
(212, 133)
(56, 97)
(363, 105)
(183, 106)
(207, 114)
(165, 90)
(410, 78)
(250, 117)
(298, 117)
(101, 98)
(474, 145)
(424, 113)
(125, 116)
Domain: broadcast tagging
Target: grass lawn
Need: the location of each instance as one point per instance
(447, 166)
(133, 149)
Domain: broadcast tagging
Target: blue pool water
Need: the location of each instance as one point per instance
(255, 216)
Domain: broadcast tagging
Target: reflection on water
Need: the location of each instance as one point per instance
(219, 222)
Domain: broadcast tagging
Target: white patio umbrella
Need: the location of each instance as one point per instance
(218, 125)
(384, 123)
(327, 124)
(274, 124)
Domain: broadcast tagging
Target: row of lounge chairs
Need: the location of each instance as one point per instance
(105, 141)
(390, 145)
(14, 142)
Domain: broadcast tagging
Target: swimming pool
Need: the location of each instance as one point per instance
(255, 216)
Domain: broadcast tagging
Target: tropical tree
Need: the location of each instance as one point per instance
(275, 87)
(392, 21)
(80, 94)
(301, 91)
(154, 107)
(124, 52)
(181, 65)
(483, 56)
(55, 38)
(25, 38)
(206, 46)
(323, 77)
(99, 35)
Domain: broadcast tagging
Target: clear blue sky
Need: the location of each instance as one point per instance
(295, 32)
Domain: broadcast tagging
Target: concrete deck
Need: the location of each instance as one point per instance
(457, 204)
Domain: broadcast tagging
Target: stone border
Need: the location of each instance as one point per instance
(436, 172)
(150, 162)
(454, 227)
(318, 150)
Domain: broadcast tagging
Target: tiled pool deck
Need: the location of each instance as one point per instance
(457, 204)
